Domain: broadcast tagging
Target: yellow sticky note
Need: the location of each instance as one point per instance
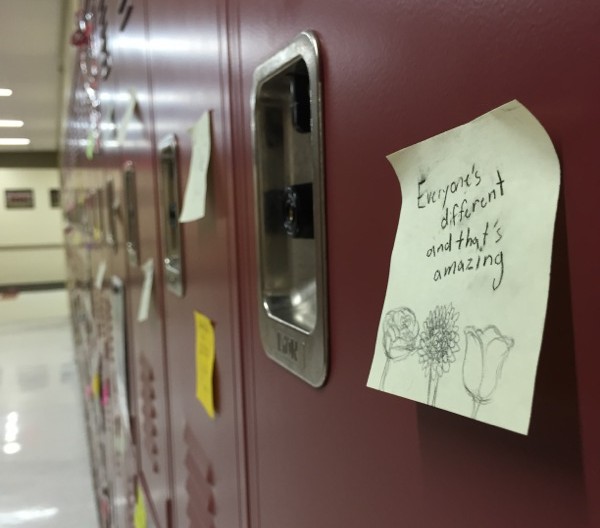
(139, 516)
(205, 362)
(90, 145)
(96, 385)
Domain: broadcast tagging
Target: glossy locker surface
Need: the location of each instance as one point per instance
(149, 373)
(110, 437)
(395, 73)
(190, 76)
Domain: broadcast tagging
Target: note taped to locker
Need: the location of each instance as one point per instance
(205, 362)
(90, 145)
(140, 519)
(96, 385)
(462, 321)
(127, 116)
(100, 272)
(194, 200)
(146, 296)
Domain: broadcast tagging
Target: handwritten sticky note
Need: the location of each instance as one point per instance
(205, 362)
(194, 201)
(127, 116)
(462, 321)
(100, 272)
(140, 518)
(146, 295)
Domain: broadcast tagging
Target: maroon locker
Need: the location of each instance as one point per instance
(189, 72)
(148, 373)
(343, 455)
(394, 73)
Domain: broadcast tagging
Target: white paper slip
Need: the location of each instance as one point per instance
(120, 346)
(100, 272)
(462, 321)
(146, 295)
(127, 116)
(194, 200)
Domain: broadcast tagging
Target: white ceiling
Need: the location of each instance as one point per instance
(31, 50)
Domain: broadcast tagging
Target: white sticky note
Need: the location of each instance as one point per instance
(462, 321)
(100, 272)
(146, 296)
(127, 116)
(194, 200)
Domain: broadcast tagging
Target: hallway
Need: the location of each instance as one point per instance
(44, 470)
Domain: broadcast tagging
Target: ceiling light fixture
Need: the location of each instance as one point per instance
(11, 433)
(5, 92)
(14, 141)
(11, 123)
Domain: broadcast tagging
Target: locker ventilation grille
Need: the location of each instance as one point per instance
(150, 429)
(117, 440)
(199, 483)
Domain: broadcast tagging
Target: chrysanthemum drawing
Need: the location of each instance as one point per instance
(438, 345)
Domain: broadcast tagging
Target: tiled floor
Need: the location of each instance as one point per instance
(44, 465)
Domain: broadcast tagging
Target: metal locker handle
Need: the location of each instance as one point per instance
(287, 141)
(131, 221)
(111, 211)
(169, 190)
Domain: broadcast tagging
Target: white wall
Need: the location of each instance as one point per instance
(40, 226)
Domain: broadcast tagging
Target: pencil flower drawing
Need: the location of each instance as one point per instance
(438, 345)
(486, 352)
(400, 333)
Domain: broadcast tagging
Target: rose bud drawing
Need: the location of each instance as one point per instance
(486, 351)
(400, 333)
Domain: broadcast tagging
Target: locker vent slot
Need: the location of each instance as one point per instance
(150, 428)
(107, 328)
(199, 483)
(117, 438)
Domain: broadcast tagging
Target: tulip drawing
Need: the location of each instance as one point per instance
(400, 333)
(486, 352)
(438, 346)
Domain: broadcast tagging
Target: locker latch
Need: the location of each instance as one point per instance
(170, 209)
(290, 210)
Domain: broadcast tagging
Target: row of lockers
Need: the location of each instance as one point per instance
(317, 448)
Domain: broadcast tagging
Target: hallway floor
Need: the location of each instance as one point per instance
(45, 478)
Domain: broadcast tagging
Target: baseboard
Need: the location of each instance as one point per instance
(38, 286)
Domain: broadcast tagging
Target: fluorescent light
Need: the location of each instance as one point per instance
(5, 92)
(12, 448)
(20, 517)
(11, 431)
(11, 123)
(14, 141)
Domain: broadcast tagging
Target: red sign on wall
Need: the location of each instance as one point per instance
(19, 199)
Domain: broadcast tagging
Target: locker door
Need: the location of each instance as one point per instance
(130, 68)
(189, 76)
(394, 73)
